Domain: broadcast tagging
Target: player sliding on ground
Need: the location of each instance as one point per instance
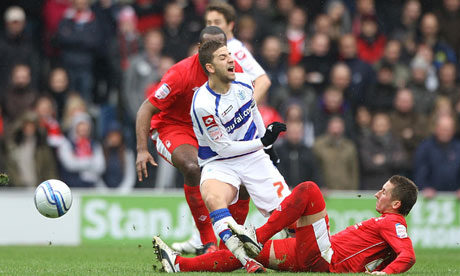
(377, 246)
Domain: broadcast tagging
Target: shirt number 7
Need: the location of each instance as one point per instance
(280, 188)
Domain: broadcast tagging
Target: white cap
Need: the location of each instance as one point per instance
(14, 13)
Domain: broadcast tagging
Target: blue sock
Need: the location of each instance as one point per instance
(219, 219)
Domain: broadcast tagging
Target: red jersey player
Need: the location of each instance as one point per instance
(166, 115)
(376, 246)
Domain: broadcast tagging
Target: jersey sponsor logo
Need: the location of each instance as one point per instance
(227, 110)
(162, 92)
(240, 55)
(209, 121)
(401, 231)
(241, 117)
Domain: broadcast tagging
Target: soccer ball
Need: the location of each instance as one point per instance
(53, 198)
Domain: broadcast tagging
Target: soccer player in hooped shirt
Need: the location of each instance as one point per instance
(376, 246)
(231, 138)
(223, 15)
(166, 114)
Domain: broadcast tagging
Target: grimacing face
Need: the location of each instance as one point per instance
(223, 65)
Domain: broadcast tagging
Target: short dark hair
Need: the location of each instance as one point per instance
(227, 10)
(206, 51)
(211, 30)
(404, 190)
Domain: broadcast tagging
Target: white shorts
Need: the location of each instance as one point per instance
(256, 172)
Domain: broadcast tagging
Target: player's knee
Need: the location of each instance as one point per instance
(190, 169)
(308, 187)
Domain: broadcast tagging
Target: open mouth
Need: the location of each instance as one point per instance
(231, 69)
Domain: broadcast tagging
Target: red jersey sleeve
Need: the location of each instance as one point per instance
(394, 232)
(164, 93)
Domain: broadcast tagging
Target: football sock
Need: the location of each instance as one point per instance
(218, 261)
(239, 212)
(283, 255)
(305, 199)
(200, 214)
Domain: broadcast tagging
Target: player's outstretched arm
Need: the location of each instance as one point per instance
(144, 115)
(261, 86)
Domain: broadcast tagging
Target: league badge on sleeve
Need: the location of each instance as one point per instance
(212, 127)
(401, 230)
(163, 91)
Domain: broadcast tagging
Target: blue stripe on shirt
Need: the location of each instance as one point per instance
(250, 133)
(194, 112)
(205, 152)
(244, 84)
(231, 125)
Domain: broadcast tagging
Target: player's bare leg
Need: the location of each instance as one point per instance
(185, 158)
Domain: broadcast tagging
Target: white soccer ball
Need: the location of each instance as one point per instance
(53, 198)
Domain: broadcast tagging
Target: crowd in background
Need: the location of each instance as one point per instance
(367, 88)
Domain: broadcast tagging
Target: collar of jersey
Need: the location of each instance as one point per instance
(215, 93)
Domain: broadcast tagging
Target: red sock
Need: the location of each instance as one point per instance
(305, 199)
(200, 214)
(285, 255)
(239, 212)
(217, 261)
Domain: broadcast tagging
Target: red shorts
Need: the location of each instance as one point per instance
(168, 138)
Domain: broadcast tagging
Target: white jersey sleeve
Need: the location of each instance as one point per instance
(258, 121)
(244, 58)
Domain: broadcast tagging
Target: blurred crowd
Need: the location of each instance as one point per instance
(368, 88)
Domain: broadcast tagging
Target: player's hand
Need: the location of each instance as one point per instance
(376, 273)
(272, 132)
(273, 155)
(143, 157)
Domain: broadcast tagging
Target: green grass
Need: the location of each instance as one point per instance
(139, 260)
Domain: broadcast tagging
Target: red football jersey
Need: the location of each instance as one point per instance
(376, 244)
(173, 95)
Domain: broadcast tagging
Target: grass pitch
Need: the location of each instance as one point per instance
(139, 260)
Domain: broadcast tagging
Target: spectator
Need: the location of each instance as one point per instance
(363, 120)
(177, 37)
(81, 157)
(296, 35)
(337, 157)
(52, 13)
(150, 14)
(296, 89)
(437, 160)
(45, 108)
(142, 71)
(364, 8)
(429, 29)
(30, 159)
(339, 16)
(318, 63)
(447, 82)
(362, 74)
(74, 104)
(332, 103)
(323, 25)
(423, 98)
(58, 88)
(120, 169)
(274, 61)
(16, 46)
(382, 154)
(78, 39)
(448, 16)
(246, 28)
(20, 96)
(409, 126)
(407, 28)
(380, 96)
(371, 41)
(392, 56)
(293, 111)
(297, 161)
